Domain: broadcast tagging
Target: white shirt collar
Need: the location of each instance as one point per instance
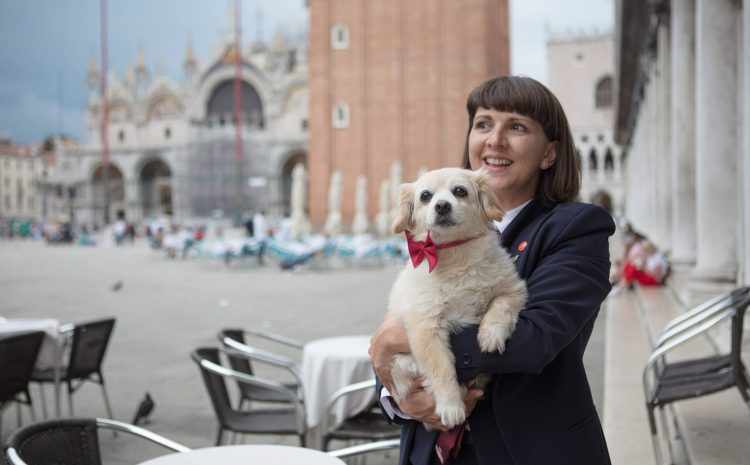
(510, 215)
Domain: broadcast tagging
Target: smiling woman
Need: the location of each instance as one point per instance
(538, 393)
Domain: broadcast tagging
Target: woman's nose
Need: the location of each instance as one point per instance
(496, 138)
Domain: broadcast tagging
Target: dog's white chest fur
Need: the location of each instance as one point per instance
(458, 292)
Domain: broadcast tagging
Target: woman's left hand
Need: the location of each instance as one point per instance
(389, 339)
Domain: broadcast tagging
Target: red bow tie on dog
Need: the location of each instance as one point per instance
(418, 250)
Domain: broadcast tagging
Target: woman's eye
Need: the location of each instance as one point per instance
(518, 127)
(460, 191)
(425, 196)
(481, 124)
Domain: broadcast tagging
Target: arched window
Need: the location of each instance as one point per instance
(164, 108)
(604, 92)
(593, 165)
(609, 161)
(221, 103)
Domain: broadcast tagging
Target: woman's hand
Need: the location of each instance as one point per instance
(420, 405)
(389, 339)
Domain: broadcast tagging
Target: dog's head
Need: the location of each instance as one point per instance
(452, 203)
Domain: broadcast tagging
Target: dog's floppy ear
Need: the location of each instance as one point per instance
(487, 198)
(405, 216)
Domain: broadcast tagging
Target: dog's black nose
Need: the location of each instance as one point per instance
(443, 207)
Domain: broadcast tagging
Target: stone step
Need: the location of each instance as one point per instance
(625, 422)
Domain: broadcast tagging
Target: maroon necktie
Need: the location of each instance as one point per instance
(449, 443)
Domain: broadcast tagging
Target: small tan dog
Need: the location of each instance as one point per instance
(474, 282)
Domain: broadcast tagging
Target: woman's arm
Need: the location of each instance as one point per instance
(565, 291)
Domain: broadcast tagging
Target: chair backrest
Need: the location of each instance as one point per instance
(59, 441)
(90, 342)
(241, 364)
(738, 323)
(215, 384)
(18, 354)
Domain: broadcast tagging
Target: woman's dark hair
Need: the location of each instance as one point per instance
(562, 181)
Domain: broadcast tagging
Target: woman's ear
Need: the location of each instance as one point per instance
(405, 216)
(487, 199)
(550, 155)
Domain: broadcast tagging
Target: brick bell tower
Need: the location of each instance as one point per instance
(389, 81)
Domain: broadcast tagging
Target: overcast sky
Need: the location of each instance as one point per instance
(46, 46)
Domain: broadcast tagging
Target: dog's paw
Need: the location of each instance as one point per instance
(403, 371)
(492, 337)
(401, 387)
(451, 412)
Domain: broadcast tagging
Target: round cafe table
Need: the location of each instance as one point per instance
(247, 454)
(330, 364)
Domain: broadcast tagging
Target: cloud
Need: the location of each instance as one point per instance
(29, 119)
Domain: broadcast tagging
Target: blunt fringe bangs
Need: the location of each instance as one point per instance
(526, 96)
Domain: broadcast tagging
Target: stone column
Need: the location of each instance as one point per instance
(648, 156)
(683, 131)
(716, 141)
(663, 130)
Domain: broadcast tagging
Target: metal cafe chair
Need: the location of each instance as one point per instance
(665, 383)
(89, 343)
(368, 425)
(18, 354)
(278, 420)
(71, 440)
(235, 338)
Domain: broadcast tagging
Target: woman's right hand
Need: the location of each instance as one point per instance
(420, 405)
(389, 339)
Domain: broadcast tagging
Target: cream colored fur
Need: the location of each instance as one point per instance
(474, 282)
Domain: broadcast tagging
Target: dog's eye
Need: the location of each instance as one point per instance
(425, 196)
(460, 191)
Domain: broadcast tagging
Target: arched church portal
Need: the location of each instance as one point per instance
(109, 179)
(155, 188)
(286, 180)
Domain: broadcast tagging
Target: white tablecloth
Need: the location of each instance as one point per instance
(248, 454)
(327, 366)
(52, 341)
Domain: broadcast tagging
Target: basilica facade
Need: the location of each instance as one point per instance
(172, 144)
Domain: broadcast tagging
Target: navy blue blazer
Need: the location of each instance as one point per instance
(538, 407)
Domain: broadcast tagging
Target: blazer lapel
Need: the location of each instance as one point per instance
(524, 218)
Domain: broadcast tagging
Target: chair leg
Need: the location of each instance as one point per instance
(668, 432)
(106, 402)
(44, 400)
(70, 401)
(654, 433)
(219, 436)
(31, 408)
